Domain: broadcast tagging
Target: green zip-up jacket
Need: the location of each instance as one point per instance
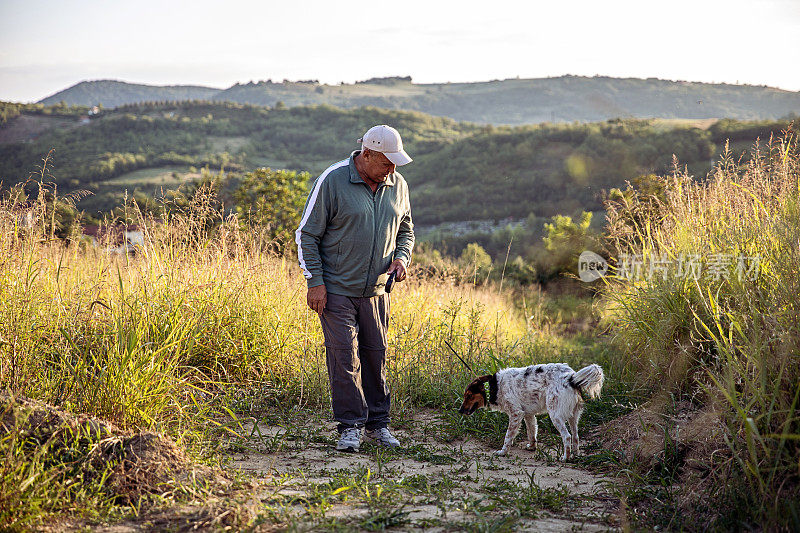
(349, 236)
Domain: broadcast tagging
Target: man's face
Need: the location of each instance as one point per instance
(377, 166)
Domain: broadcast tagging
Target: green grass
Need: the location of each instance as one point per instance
(43, 474)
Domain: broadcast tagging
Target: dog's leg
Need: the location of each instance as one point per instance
(573, 423)
(533, 428)
(514, 423)
(566, 438)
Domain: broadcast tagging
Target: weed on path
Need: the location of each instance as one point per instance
(435, 481)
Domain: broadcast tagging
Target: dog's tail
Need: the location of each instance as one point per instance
(588, 380)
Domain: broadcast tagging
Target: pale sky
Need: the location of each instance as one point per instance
(46, 46)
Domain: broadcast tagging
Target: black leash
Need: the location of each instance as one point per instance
(459, 358)
(390, 281)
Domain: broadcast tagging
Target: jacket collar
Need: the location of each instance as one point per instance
(355, 177)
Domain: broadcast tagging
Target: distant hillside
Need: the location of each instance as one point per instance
(461, 171)
(112, 93)
(513, 101)
(562, 99)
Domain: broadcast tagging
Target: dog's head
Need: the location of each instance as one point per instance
(475, 396)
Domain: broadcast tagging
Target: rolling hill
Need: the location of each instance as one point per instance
(510, 102)
(111, 93)
(461, 171)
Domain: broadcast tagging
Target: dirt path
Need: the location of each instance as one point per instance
(428, 484)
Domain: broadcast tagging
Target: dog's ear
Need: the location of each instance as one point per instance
(478, 383)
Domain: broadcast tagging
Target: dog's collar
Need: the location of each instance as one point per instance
(493, 390)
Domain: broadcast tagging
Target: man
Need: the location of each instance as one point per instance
(356, 230)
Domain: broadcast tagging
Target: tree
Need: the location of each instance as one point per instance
(474, 260)
(274, 200)
(565, 240)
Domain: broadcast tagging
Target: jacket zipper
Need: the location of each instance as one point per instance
(374, 236)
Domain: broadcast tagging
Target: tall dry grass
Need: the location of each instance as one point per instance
(731, 337)
(203, 320)
(199, 325)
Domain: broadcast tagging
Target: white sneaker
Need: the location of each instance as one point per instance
(383, 437)
(349, 440)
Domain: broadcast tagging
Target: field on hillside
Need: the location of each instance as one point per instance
(151, 178)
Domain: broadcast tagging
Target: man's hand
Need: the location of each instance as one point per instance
(399, 267)
(316, 298)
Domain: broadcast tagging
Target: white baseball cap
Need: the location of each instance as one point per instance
(386, 139)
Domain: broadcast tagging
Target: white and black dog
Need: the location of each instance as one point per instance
(523, 393)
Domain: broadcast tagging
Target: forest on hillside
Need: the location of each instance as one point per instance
(461, 171)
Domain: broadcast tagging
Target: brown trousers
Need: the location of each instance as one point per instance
(355, 350)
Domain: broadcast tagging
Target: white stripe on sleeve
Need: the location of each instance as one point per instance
(307, 213)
